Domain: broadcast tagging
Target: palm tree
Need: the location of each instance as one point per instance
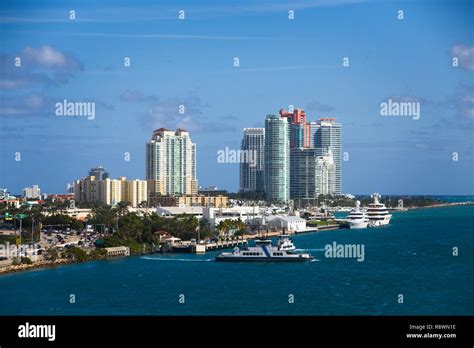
(103, 215)
(224, 226)
(240, 225)
(38, 217)
(122, 208)
(221, 227)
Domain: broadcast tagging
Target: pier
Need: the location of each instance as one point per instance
(225, 244)
(201, 248)
(178, 246)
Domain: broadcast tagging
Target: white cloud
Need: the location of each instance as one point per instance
(44, 65)
(465, 55)
(45, 55)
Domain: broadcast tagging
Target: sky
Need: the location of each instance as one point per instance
(403, 56)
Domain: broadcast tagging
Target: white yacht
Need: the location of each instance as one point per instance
(285, 243)
(377, 212)
(263, 251)
(357, 218)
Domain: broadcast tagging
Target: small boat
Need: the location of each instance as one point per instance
(263, 251)
(357, 218)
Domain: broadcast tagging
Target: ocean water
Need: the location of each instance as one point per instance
(413, 256)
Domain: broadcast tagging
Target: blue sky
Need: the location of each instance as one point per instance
(282, 62)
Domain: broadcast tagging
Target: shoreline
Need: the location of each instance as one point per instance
(441, 205)
(35, 265)
(43, 264)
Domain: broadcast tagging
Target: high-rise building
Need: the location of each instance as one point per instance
(311, 175)
(312, 128)
(252, 160)
(296, 135)
(134, 191)
(110, 190)
(325, 175)
(171, 163)
(298, 128)
(32, 192)
(99, 172)
(277, 159)
(87, 190)
(303, 176)
(328, 138)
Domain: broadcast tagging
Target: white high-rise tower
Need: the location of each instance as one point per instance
(171, 163)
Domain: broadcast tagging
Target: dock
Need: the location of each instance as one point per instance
(198, 248)
(225, 244)
(202, 248)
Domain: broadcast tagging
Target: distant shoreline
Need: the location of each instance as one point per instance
(442, 205)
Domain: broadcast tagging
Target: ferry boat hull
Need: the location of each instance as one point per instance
(263, 251)
(229, 258)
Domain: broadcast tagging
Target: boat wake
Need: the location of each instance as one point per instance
(173, 259)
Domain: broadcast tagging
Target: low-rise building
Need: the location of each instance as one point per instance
(61, 198)
(218, 201)
(118, 251)
(16, 203)
(76, 213)
(288, 223)
(5, 195)
(177, 211)
(250, 215)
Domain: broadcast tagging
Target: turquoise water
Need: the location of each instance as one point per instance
(412, 256)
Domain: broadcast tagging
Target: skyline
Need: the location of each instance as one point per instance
(283, 62)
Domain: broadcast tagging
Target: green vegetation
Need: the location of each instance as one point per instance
(394, 201)
(252, 196)
(119, 240)
(21, 261)
(317, 223)
(389, 201)
(51, 254)
(134, 230)
(119, 226)
(76, 254)
(26, 260)
(226, 226)
(16, 261)
(9, 239)
(97, 254)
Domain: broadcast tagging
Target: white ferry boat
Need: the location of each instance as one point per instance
(357, 218)
(377, 212)
(263, 251)
(285, 243)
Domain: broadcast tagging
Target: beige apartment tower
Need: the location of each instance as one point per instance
(110, 191)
